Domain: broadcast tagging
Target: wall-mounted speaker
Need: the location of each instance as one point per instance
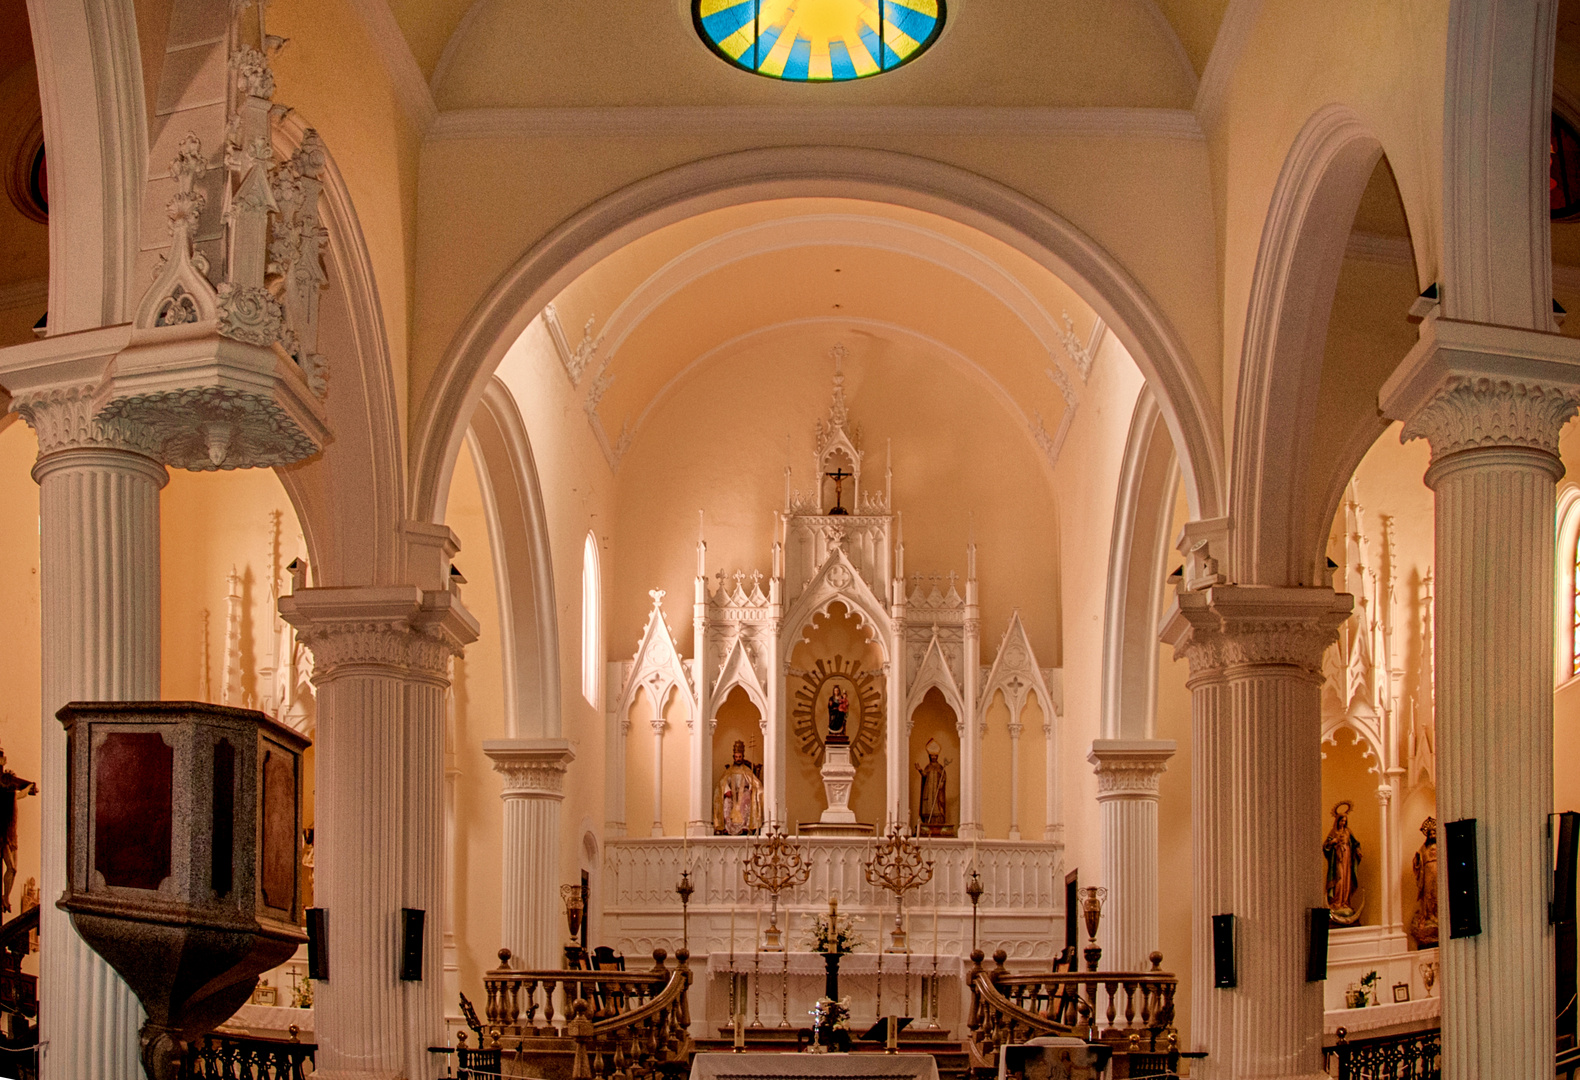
(1464, 886)
(1317, 946)
(318, 944)
(411, 920)
(1223, 972)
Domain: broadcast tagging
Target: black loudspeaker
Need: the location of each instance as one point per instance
(1566, 847)
(1464, 887)
(1317, 946)
(411, 920)
(318, 944)
(1224, 977)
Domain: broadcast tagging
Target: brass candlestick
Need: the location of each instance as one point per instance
(575, 908)
(974, 890)
(775, 863)
(685, 888)
(897, 864)
(1092, 899)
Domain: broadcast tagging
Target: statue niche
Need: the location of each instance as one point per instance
(1342, 851)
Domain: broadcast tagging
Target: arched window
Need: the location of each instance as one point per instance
(1574, 604)
(1567, 607)
(818, 40)
(592, 622)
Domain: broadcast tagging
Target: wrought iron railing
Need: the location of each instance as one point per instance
(1414, 1055)
(231, 1057)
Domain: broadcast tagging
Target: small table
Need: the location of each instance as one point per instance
(860, 1066)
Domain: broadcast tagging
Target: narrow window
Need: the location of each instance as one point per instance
(592, 621)
(1574, 610)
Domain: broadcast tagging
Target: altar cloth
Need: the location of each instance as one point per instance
(760, 1066)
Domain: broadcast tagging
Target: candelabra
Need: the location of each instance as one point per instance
(575, 907)
(897, 864)
(685, 888)
(775, 863)
(974, 891)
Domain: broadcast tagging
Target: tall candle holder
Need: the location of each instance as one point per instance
(575, 908)
(685, 888)
(898, 864)
(775, 863)
(974, 890)
(1092, 898)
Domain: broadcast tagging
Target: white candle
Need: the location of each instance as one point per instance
(732, 935)
(740, 1031)
(757, 931)
(935, 932)
(892, 1040)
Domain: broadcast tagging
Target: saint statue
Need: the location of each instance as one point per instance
(738, 802)
(12, 788)
(1343, 853)
(931, 815)
(1423, 926)
(838, 715)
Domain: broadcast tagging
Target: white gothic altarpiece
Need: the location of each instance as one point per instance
(838, 556)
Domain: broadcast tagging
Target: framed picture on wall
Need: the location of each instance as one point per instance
(1401, 991)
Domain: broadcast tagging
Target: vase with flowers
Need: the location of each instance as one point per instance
(833, 935)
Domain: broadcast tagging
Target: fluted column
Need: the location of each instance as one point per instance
(534, 772)
(1256, 816)
(1491, 401)
(381, 667)
(99, 597)
(1128, 771)
(659, 724)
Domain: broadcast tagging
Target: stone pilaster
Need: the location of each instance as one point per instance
(1128, 771)
(1491, 401)
(534, 774)
(1255, 660)
(99, 593)
(381, 666)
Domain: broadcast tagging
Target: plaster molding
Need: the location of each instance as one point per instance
(1229, 626)
(1383, 250)
(1469, 386)
(411, 89)
(64, 418)
(1234, 31)
(395, 627)
(814, 120)
(1129, 768)
(532, 768)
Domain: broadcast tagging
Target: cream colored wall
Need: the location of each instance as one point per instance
(1347, 776)
(20, 732)
(24, 243)
(1088, 480)
(1176, 862)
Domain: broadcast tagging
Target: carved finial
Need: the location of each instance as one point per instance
(658, 597)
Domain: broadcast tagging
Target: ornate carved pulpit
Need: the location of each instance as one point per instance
(183, 860)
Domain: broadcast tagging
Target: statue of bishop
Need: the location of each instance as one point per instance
(738, 801)
(931, 813)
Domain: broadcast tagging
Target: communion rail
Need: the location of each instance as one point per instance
(590, 1025)
(230, 1057)
(1133, 1011)
(1414, 1055)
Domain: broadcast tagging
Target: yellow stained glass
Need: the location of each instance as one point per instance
(819, 40)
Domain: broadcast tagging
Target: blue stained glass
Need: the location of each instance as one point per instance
(819, 40)
(839, 61)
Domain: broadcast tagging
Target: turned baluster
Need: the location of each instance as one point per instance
(491, 989)
(1130, 1004)
(549, 987)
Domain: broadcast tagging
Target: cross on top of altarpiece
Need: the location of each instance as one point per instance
(775, 862)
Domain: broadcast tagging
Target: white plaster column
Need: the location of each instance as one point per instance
(381, 667)
(452, 950)
(972, 721)
(1128, 771)
(99, 612)
(659, 724)
(1491, 401)
(1015, 730)
(1256, 816)
(534, 772)
(897, 738)
(699, 796)
(1053, 824)
(617, 729)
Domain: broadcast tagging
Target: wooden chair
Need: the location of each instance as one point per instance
(611, 1001)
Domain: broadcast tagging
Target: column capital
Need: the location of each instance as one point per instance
(1129, 768)
(1228, 626)
(394, 626)
(51, 384)
(532, 768)
(1470, 386)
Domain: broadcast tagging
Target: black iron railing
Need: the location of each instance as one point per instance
(1414, 1055)
(230, 1057)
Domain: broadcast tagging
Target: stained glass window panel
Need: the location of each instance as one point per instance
(1574, 607)
(819, 40)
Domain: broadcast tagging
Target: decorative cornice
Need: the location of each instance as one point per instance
(532, 768)
(1229, 626)
(1129, 768)
(916, 120)
(400, 628)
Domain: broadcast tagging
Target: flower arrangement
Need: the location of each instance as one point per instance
(830, 1015)
(833, 933)
(1362, 993)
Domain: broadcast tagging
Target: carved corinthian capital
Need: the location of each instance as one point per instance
(532, 768)
(1229, 626)
(1129, 768)
(403, 629)
(64, 418)
(1468, 386)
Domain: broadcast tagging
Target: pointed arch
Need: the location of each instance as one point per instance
(932, 672)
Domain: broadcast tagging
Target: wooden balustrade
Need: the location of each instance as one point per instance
(591, 1025)
(1132, 1010)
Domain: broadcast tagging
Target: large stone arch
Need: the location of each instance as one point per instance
(791, 172)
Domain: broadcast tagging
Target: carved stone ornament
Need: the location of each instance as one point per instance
(1228, 626)
(530, 769)
(417, 633)
(1479, 413)
(65, 419)
(1129, 769)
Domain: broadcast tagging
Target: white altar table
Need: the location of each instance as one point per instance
(759, 1066)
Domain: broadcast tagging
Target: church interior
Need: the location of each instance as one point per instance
(1012, 539)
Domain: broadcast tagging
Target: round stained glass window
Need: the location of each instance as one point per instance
(819, 40)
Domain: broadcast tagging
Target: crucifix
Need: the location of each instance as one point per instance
(839, 476)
